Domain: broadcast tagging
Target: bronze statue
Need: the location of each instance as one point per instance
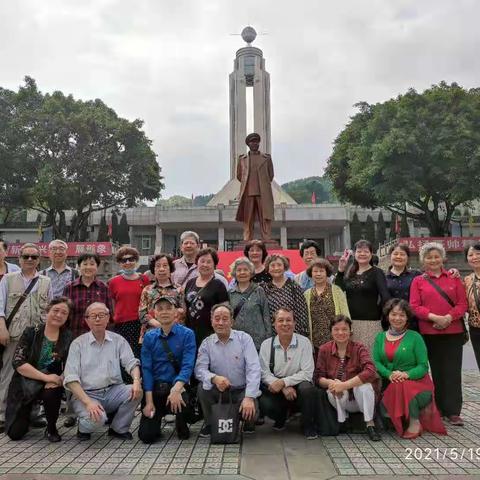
(255, 172)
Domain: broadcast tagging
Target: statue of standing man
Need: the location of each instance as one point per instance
(255, 173)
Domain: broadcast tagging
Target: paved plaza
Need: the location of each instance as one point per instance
(264, 455)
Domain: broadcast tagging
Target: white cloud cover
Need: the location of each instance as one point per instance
(168, 64)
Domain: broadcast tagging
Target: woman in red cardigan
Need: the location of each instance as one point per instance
(439, 302)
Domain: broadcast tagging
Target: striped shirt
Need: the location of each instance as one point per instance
(81, 297)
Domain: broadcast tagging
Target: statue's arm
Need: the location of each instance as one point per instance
(239, 169)
(270, 168)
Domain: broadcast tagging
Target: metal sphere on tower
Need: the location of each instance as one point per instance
(249, 34)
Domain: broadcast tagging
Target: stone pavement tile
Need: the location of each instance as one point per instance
(264, 466)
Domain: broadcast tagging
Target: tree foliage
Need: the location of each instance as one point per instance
(123, 230)
(381, 230)
(370, 231)
(103, 230)
(59, 154)
(419, 148)
(355, 229)
(301, 190)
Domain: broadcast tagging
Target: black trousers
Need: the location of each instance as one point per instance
(276, 406)
(149, 429)
(445, 357)
(51, 398)
(475, 338)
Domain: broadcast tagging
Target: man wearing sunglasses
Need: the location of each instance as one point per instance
(30, 312)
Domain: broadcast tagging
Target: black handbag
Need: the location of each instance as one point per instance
(443, 294)
(326, 415)
(225, 421)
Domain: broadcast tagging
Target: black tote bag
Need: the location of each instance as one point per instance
(225, 421)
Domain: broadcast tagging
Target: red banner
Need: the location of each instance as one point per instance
(296, 263)
(451, 244)
(75, 249)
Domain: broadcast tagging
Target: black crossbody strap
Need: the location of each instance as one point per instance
(240, 305)
(442, 292)
(8, 321)
(272, 356)
(170, 355)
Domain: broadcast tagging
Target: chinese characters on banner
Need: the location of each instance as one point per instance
(451, 244)
(75, 249)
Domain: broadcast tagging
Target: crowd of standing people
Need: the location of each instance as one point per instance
(324, 344)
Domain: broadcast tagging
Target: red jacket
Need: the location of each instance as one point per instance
(357, 362)
(424, 299)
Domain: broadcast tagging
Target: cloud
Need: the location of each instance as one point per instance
(168, 64)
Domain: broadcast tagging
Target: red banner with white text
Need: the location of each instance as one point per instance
(75, 249)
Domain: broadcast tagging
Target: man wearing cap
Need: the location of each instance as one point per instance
(255, 173)
(168, 358)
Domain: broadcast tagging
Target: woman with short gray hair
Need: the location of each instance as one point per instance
(439, 302)
(249, 303)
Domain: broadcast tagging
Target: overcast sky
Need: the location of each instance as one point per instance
(167, 62)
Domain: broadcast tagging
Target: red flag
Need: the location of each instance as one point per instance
(314, 198)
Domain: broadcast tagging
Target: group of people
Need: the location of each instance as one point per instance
(175, 339)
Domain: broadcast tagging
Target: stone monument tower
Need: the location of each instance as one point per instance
(248, 72)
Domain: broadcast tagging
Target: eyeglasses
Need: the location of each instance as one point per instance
(127, 259)
(94, 316)
(29, 257)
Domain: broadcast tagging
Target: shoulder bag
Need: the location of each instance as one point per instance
(445, 296)
(14, 311)
(193, 412)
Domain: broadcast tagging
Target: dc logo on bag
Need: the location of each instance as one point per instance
(225, 426)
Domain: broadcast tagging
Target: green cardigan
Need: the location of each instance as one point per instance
(339, 300)
(410, 356)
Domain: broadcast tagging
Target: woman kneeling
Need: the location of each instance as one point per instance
(38, 361)
(400, 356)
(346, 370)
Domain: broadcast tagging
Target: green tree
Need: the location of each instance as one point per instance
(355, 229)
(381, 230)
(419, 148)
(301, 190)
(202, 200)
(370, 231)
(114, 227)
(123, 230)
(175, 201)
(74, 155)
(392, 235)
(103, 230)
(404, 230)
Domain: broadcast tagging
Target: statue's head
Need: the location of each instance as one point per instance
(253, 141)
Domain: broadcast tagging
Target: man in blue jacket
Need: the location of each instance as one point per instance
(168, 358)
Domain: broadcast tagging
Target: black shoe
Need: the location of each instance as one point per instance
(183, 432)
(53, 437)
(311, 433)
(121, 436)
(260, 420)
(279, 425)
(373, 434)
(2, 426)
(110, 417)
(205, 432)
(82, 436)
(248, 427)
(69, 422)
(38, 422)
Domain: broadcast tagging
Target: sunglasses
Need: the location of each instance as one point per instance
(29, 257)
(127, 259)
